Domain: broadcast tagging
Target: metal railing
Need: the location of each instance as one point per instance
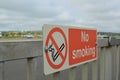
(22, 60)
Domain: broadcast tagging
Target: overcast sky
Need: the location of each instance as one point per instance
(32, 14)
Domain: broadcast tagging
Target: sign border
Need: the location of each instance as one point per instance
(56, 29)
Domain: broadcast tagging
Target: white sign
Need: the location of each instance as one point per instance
(65, 47)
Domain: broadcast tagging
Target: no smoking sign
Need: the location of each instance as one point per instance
(65, 47)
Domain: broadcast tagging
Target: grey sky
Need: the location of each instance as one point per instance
(32, 14)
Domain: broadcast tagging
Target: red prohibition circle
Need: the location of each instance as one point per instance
(63, 57)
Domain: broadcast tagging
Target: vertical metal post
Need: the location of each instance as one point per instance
(72, 73)
(113, 51)
(2, 75)
(56, 76)
(108, 64)
(31, 68)
(117, 62)
(90, 71)
(102, 64)
(85, 71)
(94, 70)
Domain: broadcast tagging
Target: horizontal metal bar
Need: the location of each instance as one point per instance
(24, 49)
(17, 50)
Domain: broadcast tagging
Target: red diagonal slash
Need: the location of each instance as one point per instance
(56, 46)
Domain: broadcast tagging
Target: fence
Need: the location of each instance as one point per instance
(22, 60)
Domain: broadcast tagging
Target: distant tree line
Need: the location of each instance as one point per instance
(20, 34)
(111, 34)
